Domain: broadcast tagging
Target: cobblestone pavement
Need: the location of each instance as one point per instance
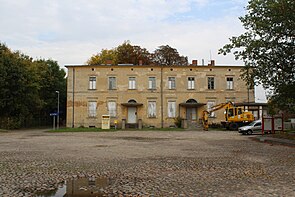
(147, 163)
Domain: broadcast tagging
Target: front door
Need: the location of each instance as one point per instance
(191, 114)
(132, 115)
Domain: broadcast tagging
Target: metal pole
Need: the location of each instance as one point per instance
(73, 107)
(57, 122)
(53, 122)
(162, 110)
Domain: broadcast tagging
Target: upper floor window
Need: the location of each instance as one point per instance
(92, 83)
(152, 83)
(132, 83)
(152, 109)
(112, 83)
(211, 83)
(112, 108)
(229, 83)
(190, 83)
(92, 108)
(171, 83)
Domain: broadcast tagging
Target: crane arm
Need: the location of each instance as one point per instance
(221, 105)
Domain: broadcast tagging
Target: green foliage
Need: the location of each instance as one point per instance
(178, 122)
(267, 48)
(126, 53)
(103, 57)
(168, 56)
(27, 88)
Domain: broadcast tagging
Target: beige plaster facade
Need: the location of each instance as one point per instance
(153, 95)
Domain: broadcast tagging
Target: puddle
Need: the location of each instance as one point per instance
(80, 187)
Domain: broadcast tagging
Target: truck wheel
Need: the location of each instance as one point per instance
(249, 132)
(233, 126)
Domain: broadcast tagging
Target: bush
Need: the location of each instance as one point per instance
(177, 122)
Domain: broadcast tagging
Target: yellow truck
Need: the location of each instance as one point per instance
(234, 116)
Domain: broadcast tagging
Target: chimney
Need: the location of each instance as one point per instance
(109, 62)
(212, 62)
(140, 62)
(195, 62)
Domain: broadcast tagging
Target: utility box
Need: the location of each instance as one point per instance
(105, 122)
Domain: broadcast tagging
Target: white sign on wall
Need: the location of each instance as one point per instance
(267, 124)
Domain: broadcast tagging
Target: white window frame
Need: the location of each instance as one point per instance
(171, 109)
(210, 104)
(152, 83)
(152, 109)
(92, 83)
(112, 108)
(229, 83)
(92, 108)
(112, 82)
(171, 83)
(191, 83)
(211, 83)
(132, 83)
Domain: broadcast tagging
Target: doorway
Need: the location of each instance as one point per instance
(132, 115)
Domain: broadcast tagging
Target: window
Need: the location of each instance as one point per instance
(229, 83)
(152, 109)
(112, 83)
(171, 109)
(92, 108)
(171, 83)
(211, 83)
(152, 83)
(190, 83)
(112, 108)
(92, 83)
(132, 83)
(210, 104)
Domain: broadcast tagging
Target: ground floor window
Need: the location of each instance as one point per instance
(92, 108)
(210, 104)
(112, 109)
(152, 109)
(171, 109)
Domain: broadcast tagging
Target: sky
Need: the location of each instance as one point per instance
(70, 32)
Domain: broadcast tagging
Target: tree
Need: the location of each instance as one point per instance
(168, 56)
(123, 54)
(268, 48)
(27, 89)
(103, 57)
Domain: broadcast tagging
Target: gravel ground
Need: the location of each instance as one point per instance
(146, 163)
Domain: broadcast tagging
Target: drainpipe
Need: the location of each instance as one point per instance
(162, 111)
(73, 112)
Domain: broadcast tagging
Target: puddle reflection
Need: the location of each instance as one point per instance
(80, 187)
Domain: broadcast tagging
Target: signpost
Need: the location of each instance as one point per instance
(53, 116)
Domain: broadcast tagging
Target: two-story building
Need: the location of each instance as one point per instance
(150, 94)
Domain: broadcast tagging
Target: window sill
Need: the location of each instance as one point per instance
(112, 89)
(152, 117)
(92, 89)
(92, 117)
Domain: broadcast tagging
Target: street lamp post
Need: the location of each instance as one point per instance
(57, 122)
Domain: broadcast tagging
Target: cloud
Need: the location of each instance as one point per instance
(71, 31)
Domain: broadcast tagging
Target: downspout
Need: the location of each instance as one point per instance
(73, 113)
(162, 111)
